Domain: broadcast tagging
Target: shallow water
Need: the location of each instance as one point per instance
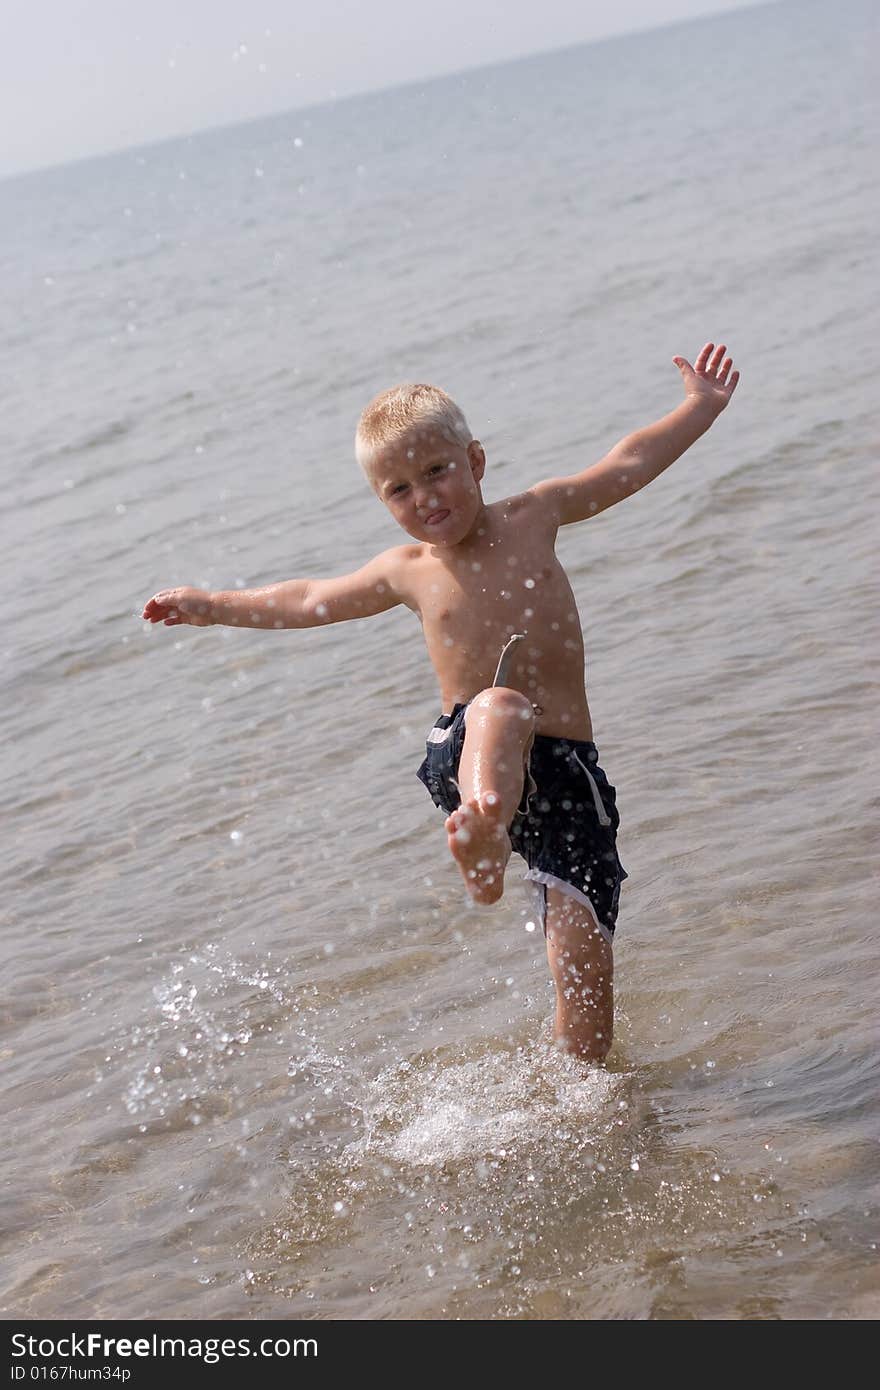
(261, 1056)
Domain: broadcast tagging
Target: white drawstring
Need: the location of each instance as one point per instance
(504, 659)
(604, 818)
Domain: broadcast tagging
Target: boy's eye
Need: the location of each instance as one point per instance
(432, 472)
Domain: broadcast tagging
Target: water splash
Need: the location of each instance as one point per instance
(433, 1113)
(205, 1012)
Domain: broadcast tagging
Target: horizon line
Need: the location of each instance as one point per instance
(340, 100)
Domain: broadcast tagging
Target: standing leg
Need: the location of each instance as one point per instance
(582, 966)
(498, 735)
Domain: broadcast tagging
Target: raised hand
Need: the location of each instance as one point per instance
(710, 379)
(174, 606)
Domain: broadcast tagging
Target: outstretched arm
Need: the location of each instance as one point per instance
(293, 603)
(641, 456)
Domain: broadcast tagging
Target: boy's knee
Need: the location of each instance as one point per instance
(503, 701)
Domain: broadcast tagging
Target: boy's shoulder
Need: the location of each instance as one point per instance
(401, 566)
(403, 556)
(532, 505)
(518, 501)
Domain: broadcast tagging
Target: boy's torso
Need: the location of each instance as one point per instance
(472, 598)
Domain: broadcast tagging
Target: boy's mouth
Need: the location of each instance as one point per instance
(436, 517)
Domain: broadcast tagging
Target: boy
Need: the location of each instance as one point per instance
(511, 760)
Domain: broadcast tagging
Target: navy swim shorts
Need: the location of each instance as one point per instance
(565, 827)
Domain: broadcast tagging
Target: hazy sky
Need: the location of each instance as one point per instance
(81, 77)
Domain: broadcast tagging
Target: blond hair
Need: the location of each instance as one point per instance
(392, 414)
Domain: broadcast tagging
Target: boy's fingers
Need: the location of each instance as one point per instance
(728, 363)
(733, 381)
(717, 355)
(704, 357)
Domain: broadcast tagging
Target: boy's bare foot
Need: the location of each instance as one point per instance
(480, 845)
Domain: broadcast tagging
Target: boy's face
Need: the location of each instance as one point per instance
(430, 486)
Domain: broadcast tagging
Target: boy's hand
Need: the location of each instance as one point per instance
(173, 606)
(708, 379)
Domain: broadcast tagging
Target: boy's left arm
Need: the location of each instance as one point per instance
(641, 456)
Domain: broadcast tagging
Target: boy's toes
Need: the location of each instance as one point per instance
(457, 823)
(480, 845)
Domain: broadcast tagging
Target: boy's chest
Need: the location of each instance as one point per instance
(473, 604)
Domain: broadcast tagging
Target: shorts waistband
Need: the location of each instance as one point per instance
(574, 744)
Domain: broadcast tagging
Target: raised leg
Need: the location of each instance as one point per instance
(582, 966)
(498, 735)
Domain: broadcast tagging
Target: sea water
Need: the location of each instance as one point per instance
(262, 1056)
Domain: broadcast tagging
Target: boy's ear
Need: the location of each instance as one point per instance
(476, 459)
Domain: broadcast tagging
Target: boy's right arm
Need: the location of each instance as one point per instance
(373, 589)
